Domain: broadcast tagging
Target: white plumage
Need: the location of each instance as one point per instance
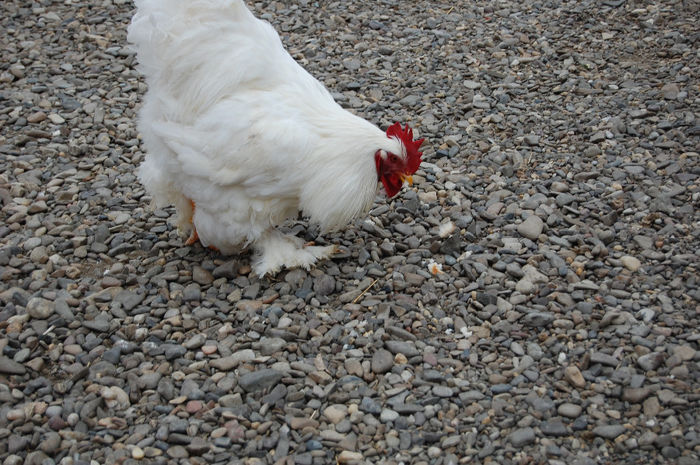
(233, 125)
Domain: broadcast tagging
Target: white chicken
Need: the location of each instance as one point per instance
(239, 137)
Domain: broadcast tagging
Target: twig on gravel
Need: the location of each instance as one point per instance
(365, 291)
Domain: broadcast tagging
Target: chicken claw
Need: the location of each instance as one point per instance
(194, 237)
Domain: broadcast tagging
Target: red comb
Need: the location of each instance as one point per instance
(405, 135)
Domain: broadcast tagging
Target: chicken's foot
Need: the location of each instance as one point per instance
(194, 237)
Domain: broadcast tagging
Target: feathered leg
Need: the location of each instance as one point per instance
(275, 250)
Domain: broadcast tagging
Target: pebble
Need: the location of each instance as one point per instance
(137, 453)
(335, 414)
(636, 395)
(609, 431)
(40, 308)
(531, 227)
(260, 379)
(382, 361)
(574, 377)
(232, 361)
(631, 263)
(684, 352)
(11, 367)
(651, 361)
(348, 457)
(554, 428)
(522, 436)
(569, 410)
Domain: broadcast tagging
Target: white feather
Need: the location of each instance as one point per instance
(233, 123)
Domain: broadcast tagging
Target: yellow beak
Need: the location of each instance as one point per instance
(405, 178)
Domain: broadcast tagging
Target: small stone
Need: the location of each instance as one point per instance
(195, 341)
(36, 117)
(538, 319)
(15, 414)
(260, 379)
(669, 91)
(10, 367)
(324, 285)
(553, 428)
(525, 286)
(313, 444)
(684, 353)
(609, 431)
(354, 367)
(16, 443)
(347, 456)
(192, 292)
(569, 410)
(631, 263)
(564, 199)
(635, 395)
(522, 436)
(651, 361)
(228, 270)
(128, 299)
(670, 452)
(369, 405)
(202, 276)
(604, 359)
(232, 361)
(301, 423)
(531, 227)
(335, 413)
(40, 308)
(177, 452)
(137, 453)
(532, 139)
(115, 397)
(382, 361)
(388, 415)
(651, 407)
(56, 118)
(270, 345)
(56, 423)
(51, 443)
(193, 406)
(574, 377)
(402, 347)
(443, 391)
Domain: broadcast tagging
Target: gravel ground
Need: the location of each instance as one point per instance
(533, 299)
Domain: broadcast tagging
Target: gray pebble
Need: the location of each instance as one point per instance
(259, 379)
(40, 308)
(531, 227)
(522, 436)
(609, 431)
(382, 361)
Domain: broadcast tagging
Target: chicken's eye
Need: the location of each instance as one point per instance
(393, 158)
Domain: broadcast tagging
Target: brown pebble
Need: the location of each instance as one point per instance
(36, 117)
(300, 423)
(194, 406)
(574, 377)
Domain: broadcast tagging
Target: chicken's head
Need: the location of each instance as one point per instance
(393, 169)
